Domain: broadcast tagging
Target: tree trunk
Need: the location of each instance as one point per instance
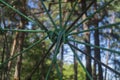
(87, 50)
(75, 68)
(97, 55)
(88, 60)
(20, 41)
(4, 52)
(87, 40)
(97, 50)
(19, 49)
(107, 58)
(13, 50)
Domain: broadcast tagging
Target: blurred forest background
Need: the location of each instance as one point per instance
(59, 40)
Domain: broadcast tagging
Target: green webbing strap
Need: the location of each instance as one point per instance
(91, 45)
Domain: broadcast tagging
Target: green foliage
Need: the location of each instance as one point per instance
(115, 5)
(68, 72)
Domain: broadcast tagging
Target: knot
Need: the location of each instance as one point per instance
(53, 35)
